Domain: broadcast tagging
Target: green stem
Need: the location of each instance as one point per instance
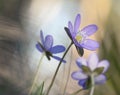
(69, 68)
(93, 85)
(76, 92)
(53, 79)
(36, 75)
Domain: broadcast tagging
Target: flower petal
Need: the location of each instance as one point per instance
(80, 62)
(57, 49)
(70, 26)
(68, 33)
(104, 64)
(59, 59)
(93, 61)
(82, 83)
(90, 44)
(89, 30)
(77, 23)
(42, 37)
(79, 75)
(101, 79)
(39, 47)
(48, 42)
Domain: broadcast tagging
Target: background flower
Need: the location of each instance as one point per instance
(89, 67)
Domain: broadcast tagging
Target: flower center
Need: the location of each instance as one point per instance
(79, 38)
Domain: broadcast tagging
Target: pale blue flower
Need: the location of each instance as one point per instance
(89, 67)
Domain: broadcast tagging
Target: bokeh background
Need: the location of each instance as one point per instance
(20, 23)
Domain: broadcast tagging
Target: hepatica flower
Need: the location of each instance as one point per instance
(90, 67)
(80, 37)
(46, 46)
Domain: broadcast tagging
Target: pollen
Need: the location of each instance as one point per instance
(79, 38)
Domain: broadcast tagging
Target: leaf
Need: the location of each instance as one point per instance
(99, 70)
(85, 69)
(39, 90)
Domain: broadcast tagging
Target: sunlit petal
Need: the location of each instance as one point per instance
(93, 61)
(89, 30)
(104, 64)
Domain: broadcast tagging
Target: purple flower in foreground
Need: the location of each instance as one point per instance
(80, 37)
(89, 67)
(47, 47)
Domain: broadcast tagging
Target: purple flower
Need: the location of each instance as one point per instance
(47, 47)
(80, 37)
(89, 67)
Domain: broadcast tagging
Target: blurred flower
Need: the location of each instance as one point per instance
(89, 67)
(79, 37)
(47, 47)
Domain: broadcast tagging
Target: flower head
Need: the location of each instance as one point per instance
(47, 47)
(80, 37)
(89, 67)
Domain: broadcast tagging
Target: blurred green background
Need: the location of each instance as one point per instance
(19, 16)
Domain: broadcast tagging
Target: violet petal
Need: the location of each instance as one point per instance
(77, 23)
(93, 61)
(101, 79)
(70, 26)
(104, 64)
(79, 75)
(80, 62)
(89, 44)
(57, 49)
(48, 42)
(89, 30)
(82, 83)
(39, 47)
(58, 58)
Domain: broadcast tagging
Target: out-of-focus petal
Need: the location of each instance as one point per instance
(104, 64)
(89, 30)
(58, 58)
(39, 47)
(42, 37)
(70, 26)
(79, 75)
(93, 61)
(48, 42)
(82, 83)
(101, 79)
(77, 23)
(90, 44)
(80, 62)
(68, 32)
(57, 49)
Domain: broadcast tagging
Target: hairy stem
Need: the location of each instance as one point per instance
(36, 75)
(53, 79)
(93, 85)
(69, 68)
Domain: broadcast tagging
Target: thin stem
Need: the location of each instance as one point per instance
(76, 92)
(93, 85)
(53, 79)
(36, 75)
(69, 68)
